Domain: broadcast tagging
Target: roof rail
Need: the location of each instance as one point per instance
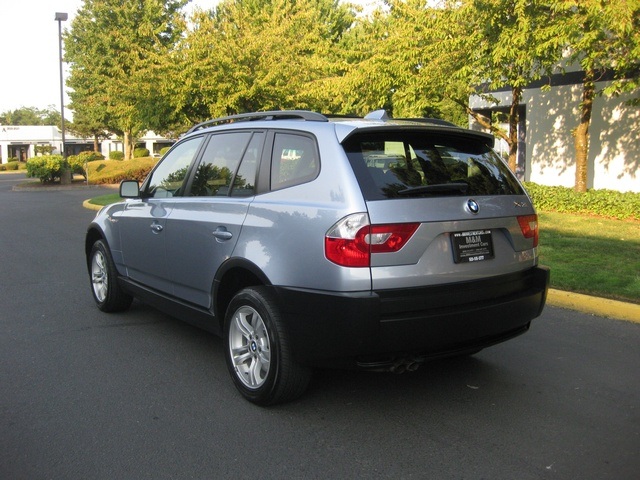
(270, 115)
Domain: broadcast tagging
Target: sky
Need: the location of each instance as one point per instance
(29, 65)
(29, 58)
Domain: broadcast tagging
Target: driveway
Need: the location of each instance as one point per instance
(140, 395)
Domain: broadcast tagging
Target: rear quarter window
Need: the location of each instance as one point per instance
(294, 160)
(404, 164)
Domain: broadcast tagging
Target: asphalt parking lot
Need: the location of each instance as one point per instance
(140, 395)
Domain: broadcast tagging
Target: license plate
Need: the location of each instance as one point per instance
(472, 246)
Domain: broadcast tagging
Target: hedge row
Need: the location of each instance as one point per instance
(113, 172)
(9, 166)
(605, 203)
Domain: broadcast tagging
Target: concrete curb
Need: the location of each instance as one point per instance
(87, 204)
(602, 307)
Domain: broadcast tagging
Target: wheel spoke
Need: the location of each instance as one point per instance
(243, 324)
(264, 353)
(240, 355)
(100, 261)
(255, 370)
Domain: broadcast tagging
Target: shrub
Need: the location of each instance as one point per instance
(47, 168)
(78, 162)
(4, 167)
(164, 150)
(91, 156)
(75, 165)
(44, 149)
(112, 172)
(605, 203)
(116, 155)
(140, 152)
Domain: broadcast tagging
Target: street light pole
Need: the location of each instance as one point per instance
(61, 17)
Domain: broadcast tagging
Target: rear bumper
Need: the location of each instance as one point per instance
(426, 321)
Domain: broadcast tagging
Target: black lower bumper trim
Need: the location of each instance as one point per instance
(427, 321)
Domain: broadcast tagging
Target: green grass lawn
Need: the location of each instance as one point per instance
(590, 255)
(106, 199)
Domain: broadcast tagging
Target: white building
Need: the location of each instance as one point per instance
(546, 152)
(19, 142)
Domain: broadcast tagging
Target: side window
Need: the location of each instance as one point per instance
(168, 178)
(244, 183)
(219, 164)
(294, 160)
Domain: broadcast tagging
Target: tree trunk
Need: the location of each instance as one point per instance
(128, 149)
(581, 138)
(96, 144)
(516, 96)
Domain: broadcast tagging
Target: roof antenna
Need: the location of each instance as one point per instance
(377, 115)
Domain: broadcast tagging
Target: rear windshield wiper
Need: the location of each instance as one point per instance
(436, 188)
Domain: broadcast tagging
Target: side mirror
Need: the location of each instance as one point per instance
(129, 189)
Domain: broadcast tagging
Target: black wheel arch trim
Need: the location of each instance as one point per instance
(94, 233)
(223, 291)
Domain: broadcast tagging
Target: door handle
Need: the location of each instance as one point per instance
(221, 233)
(156, 228)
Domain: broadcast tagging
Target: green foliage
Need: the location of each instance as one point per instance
(116, 155)
(31, 116)
(164, 150)
(605, 203)
(413, 57)
(10, 166)
(44, 149)
(113, 172)
(266, 54)
(90, 156)
(78, 162)
(140, 152)
(47, 168)
(119, 75)
(604, 36)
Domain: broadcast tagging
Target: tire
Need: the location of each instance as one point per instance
(108, 295)
(258, 352)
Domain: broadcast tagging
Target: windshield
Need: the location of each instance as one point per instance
(401, 164)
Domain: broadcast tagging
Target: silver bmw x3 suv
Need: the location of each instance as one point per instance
(311, 241)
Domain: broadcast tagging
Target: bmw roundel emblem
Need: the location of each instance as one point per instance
(473, 206)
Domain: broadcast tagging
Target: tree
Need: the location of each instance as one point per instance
(380, 62)
(88, 122)
(473, 47)
(119, 55)
(427, 58)
(249, 55)
(31, 116)
(603, 36)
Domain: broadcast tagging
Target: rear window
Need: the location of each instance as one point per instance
(405, 164)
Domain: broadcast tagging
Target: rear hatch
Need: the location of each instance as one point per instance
(453, 207)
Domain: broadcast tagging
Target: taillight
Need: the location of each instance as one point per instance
(529, 227)
(352, 240)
